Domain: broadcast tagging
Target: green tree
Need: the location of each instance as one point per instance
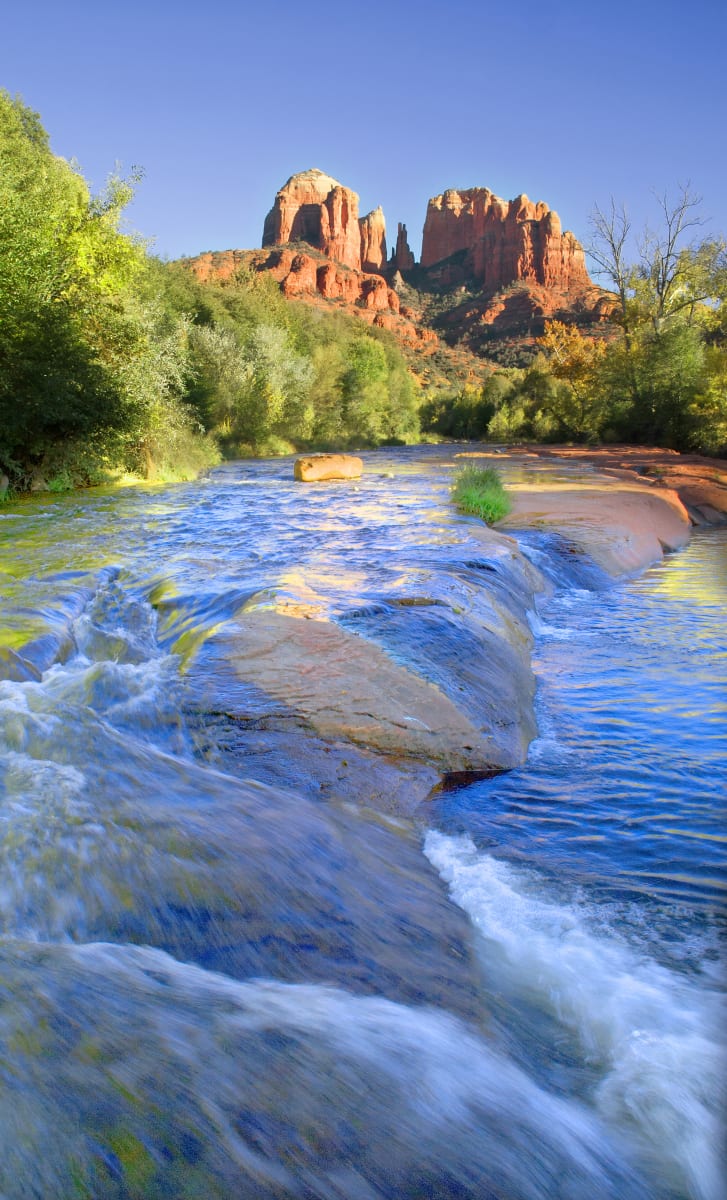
(365, 393)
(54, 383)
(278, 396)
(668, 302)
(329, 365)
(707, 413)
(579, 406)
(92, 362)
(221, 375)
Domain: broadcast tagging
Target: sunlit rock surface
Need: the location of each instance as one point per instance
(373, 240)
(349, 688)
(505, 241)
(312, 207)
(622, 527)
(700, 482)
(313, 468)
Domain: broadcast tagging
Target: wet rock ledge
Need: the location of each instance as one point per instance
(382, 703)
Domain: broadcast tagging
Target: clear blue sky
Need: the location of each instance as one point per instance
(220, 101)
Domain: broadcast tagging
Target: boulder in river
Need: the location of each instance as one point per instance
(14, 666)
(313, 468)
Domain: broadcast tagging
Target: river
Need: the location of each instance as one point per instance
(222, 974)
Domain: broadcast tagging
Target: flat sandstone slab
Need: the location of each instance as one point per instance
(347, 687)
(622, 526)
(700, 482)
(314, 468)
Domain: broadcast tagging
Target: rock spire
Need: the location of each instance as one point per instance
(402, 258)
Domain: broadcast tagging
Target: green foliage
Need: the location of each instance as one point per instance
(658, 374)
(467, 413)
(90, 365)
(707, 411)
(660, 383)
(111, 360)
(266, 373)
(480, 491)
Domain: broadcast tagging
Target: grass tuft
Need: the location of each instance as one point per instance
(480, 491)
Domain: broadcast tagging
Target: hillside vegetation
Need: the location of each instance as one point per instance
(113, 362)
(657, 373)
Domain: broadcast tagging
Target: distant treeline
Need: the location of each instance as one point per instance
(111, 360)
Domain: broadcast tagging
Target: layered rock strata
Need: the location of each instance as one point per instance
(313, 207)
(373, 241)
(315, 279)
(511, 260)
(504, 241)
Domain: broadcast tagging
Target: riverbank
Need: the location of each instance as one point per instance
(630, 504)
(699, 482)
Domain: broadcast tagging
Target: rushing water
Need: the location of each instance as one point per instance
(221, 977)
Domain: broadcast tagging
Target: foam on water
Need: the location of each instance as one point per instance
(297, 1057)
(273, 1090)
(653, 1036)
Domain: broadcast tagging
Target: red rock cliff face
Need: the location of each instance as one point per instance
(312, 207)
(505, 241)
(373, 241)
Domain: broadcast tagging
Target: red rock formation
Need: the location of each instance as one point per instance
(335, 283)
(376, 294)
(402, 258)
(217, 265)
(504, 242)
(373, 241)
(302, 276)
(527, 269)
(314, 208)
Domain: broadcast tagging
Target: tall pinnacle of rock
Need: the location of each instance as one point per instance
(402, 258)
(373, 241)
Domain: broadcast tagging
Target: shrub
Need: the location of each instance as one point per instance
(480, 491)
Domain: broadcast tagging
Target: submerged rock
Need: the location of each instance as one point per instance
(14, 666)
(347, 687)
(132, 1074)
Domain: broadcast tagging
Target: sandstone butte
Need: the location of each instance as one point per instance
(518, 265)
(504, 242)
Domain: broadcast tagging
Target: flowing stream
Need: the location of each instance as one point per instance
(226, 972)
